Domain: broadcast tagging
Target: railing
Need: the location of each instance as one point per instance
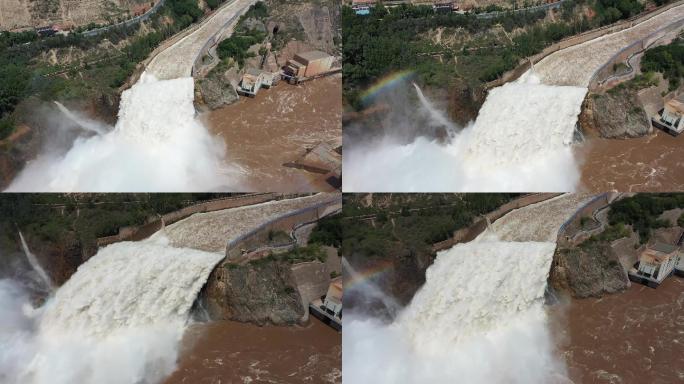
(144, 17)
(236, 241)
(579, 211)
(215, 38)
(635, 45)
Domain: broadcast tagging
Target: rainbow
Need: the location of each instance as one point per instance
(368, 274)
(388, 82)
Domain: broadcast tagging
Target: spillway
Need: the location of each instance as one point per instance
(157, 144)
(479, 317)
(519, 141)
(118, 319)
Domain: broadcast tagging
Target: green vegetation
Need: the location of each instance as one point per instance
(611, 233)
(328, 231)
(667, 59)
(642, 211)
(295, 256)
(236, 46)
(213, 4)
(185, 12)
(640, 81)
(383, 41)
(55, 217)
(23, 74)
(680, 221)
(415, 221)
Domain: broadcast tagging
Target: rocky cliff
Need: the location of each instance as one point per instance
(261, 292)
(588, 271)
(614, 115)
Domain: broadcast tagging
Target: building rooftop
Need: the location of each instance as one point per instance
(658, 253)
(675, 105)
(664, 247)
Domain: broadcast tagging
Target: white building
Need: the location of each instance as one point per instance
(657, 262)
(672, 117)
(333, 299)
(254, 80)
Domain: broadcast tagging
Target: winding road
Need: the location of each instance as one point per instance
(576, 65)
(177, 60)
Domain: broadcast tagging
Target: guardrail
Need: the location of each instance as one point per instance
(215, 39)
(543, 7)
(236, 241)
(634, 48)
(138, 19)
(579, 211)
(577, 39)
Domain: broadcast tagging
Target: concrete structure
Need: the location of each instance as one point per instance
(333, 298)
(655, 263)
(308, 64)
(671, 117)
(254, 80)
(329, 310)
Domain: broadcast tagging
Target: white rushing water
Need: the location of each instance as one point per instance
(479, 317)
(156, 145)
(35, 264)
(521, 140)
(118, 319)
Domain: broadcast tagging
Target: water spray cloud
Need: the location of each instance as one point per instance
(157, 145)
(521, 140)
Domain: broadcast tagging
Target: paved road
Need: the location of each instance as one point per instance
(177, 61)
(577, 64)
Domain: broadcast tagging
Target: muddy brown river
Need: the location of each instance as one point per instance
(632, 337)
(225, 352)
(263, 133)
(645, 164)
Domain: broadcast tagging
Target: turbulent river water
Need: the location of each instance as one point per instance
(229, 352)
(631, 337)
(479, 316)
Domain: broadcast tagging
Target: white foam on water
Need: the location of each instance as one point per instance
(157, 145)
(521, 140)
(479, 318)
(118, 319)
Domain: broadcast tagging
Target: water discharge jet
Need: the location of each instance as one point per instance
(521, 140)
(86, 124)
(118, 319)
(479, 317)
(157, 145)
(35, 264)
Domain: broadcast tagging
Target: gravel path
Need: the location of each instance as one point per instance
(577, 64)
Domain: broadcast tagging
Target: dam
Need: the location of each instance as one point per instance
(522, 138)
(157, 144)
(480, 315)
(122, 316)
